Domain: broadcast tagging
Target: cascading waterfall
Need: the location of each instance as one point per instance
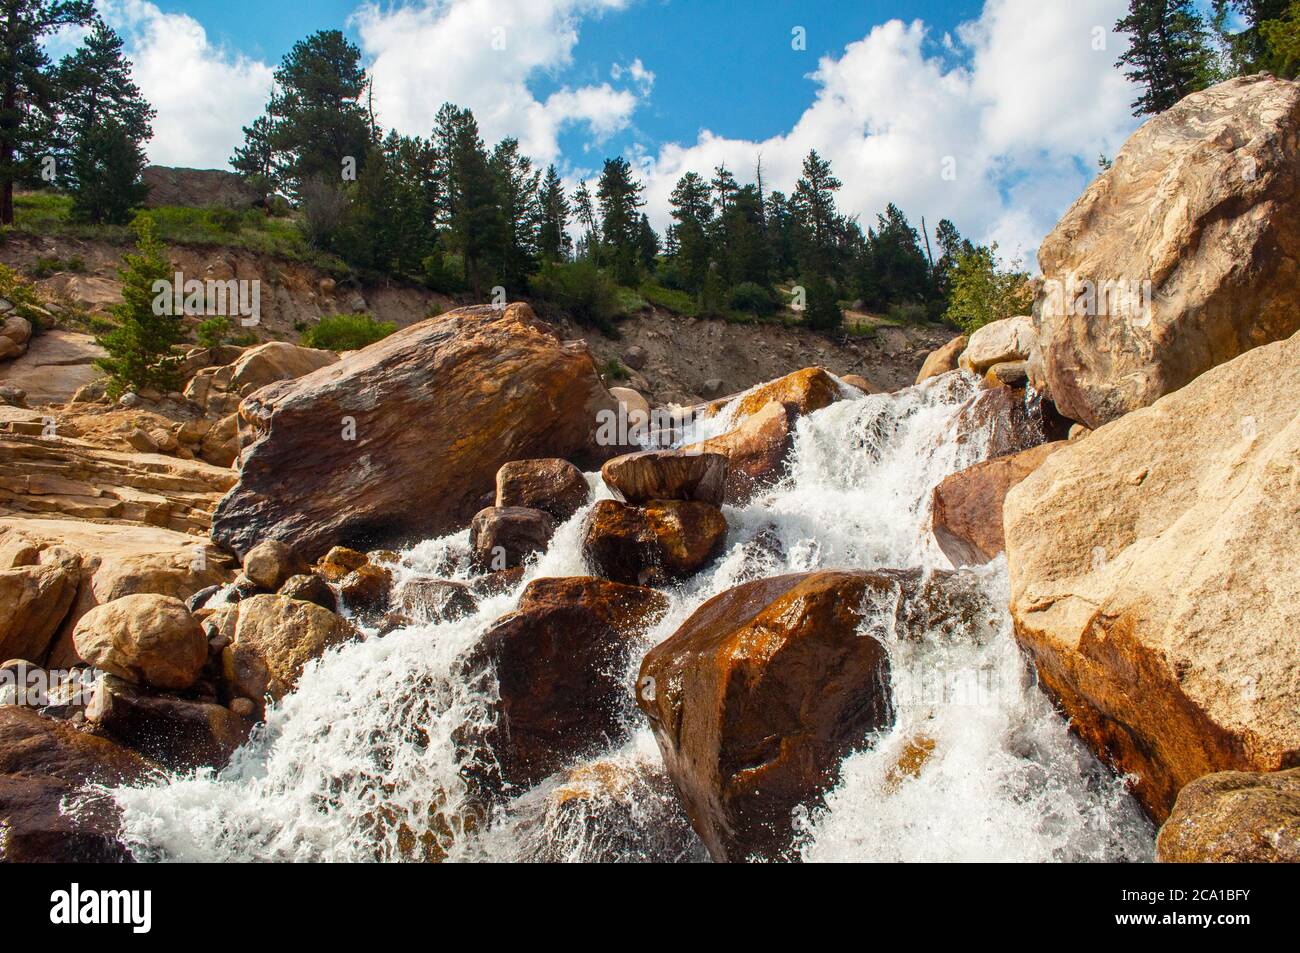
(360, 763)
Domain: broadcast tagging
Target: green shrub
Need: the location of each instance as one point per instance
(613, 370)
(752, 298)
(908, 312)
(23, 294)
(444, 273)
(984, 291)
(213, 332)
(629, 302)
(670, 299)
(347, 332)
(821, 308)
(45, 267)
(581, 289)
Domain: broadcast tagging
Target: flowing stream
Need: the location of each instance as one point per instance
(360, 762)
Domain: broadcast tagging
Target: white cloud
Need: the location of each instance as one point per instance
(1031, 102)
(204, 94)
(636, 71)
(483, 54)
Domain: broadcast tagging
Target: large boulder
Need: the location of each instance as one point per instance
(556, 486)
(803, 391)
(269, 641)
(1153, 578)
(270, 564)
(37, 590)
(179, 733)
(652, 544)
(667, 475)
(758, 697)
(46, 765)
(943, 360)
(559, 664)
(218, 388)
(146, 639)
(436, 600)
(1007, 420)
(405, 437)
(966, 509)
(1234, 817)
(56, 365)
(197, 188)
(757, 451)
(1203, 202)
(999, 342)
(503, 537)
(275, 361)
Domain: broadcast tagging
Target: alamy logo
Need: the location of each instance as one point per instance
(77, 906)
(229, 298)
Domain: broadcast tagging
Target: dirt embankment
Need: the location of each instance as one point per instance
(685, 359)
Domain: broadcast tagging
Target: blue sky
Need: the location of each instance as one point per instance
(690, 46)
(989, 112)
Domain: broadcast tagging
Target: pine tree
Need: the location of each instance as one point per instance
(470, 206)
(106, 165)
(517, 184)
(552, 234)
(255, 160)
(619, 196)
(1169, 54)
(647, 244)
(900, 266)
(723, 187)
(103, 126)
(1248, 50)
(822, 312)
(145, 331)
(28, 91)
(1282, 41)
(746, 256)
(814, 206)
(586, 213)
(316, 120)
(693, 214)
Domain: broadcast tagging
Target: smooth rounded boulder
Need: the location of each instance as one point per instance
(146, 639)
(555, 486)
(999, 342)
(559, 665)
(966, 507)
(757, 698)
(505, 537)
(652, 544)
(942, 360)
(269, 641)
(1234, 817)
(402, 439)
(1153, 580)
(804, 391)
(270, 563)
(436, 600)
(1178, 258)
(757, 451)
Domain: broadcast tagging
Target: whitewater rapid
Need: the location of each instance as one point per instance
(360, 762)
